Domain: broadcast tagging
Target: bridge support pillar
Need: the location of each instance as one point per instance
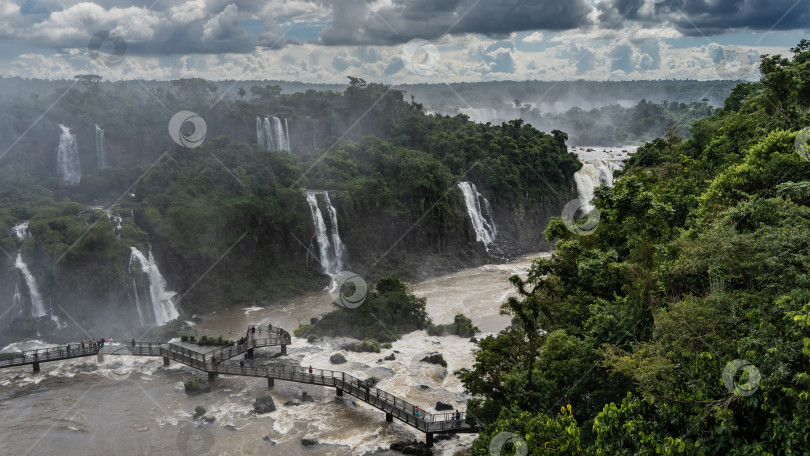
(165, 360)
(339, 392)
(100, 357)
(429, 439)
(212, 376)
(36, 367)
(389, 418)
(283, 349)
(249, 354)
(271, 382)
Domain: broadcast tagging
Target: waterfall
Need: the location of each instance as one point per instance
(67, 157)
(591, 175)
(331, 253)
(485, 229)
(337, 244)
(147, 282)
(37, 305)
(100, 147)
(16, 300)
(271, 135)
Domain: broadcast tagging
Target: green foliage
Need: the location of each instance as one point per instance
(387, 312)
(461, 326)
(367, 345)
(194, 386)
(700, 258)
(198, 411)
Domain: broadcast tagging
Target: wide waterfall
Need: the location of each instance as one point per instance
(67, 157)
(149, 288)
(330, 252)
(100, 147)
(483, 224)
(593, 174)
(37, 305)
(271, 135)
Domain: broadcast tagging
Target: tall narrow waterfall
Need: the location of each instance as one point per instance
(484, 226)
(271, 134)
(591, 175)
(330, 252)
(37, 305)
(102, 163)
(67, 157)
(16, 301)
(149, 287)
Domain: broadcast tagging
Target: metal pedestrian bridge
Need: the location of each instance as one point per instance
(219, 361)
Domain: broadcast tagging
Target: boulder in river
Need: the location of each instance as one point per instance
(435, 358)
(390, 357)
(337, 358)
(305, 397)
(264, 404)
(309, 442)
(441, 406)
(412, 447)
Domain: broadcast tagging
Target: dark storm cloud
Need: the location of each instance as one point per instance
(353, 22)
(704, 17)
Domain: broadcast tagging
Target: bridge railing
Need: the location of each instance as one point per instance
(47, 354)
(381, 399)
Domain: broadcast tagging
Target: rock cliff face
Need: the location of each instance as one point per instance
(273, 259)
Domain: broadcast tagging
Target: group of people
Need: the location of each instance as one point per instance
(98, 343)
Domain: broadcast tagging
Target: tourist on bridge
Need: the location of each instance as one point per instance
(458, 418)
(133, 342)
(242, 363)
(416, 412)
(82, 345)
(310, 374)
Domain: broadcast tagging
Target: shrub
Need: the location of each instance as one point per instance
(199, 411)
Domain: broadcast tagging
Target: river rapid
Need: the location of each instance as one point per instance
(136, 406)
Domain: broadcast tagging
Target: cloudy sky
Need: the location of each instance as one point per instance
(397, 41)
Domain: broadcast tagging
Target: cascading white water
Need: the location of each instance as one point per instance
(16, 301)
(331, 253)
(37, 306)
(20, 230)
(145, 275)
(485, 230)
(67, 157)
(271, 135)
(337, 244)
(591, 175)
(100, 147)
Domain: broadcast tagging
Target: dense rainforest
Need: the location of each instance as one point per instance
(228, 223)
(681, 325)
